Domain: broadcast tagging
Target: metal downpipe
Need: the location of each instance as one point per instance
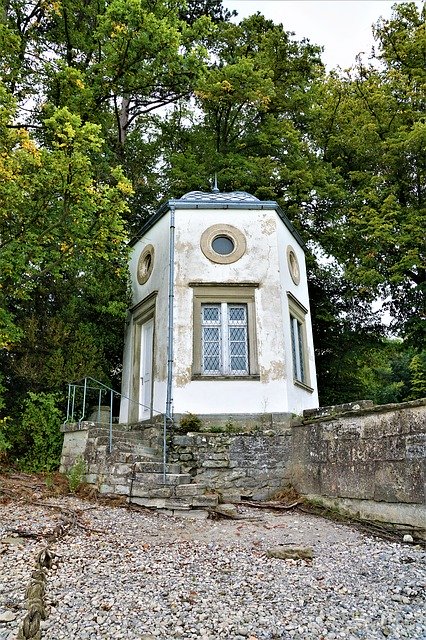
(167, 414)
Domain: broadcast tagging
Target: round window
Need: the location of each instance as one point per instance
(293, 265)
(223, 245)
(145, 264)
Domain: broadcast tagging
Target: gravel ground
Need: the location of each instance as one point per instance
(141, 575)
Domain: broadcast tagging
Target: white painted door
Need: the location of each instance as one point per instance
(145, 383)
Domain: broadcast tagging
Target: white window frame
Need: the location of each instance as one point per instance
(243, 294)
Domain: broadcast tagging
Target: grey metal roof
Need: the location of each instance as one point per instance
(217, 196)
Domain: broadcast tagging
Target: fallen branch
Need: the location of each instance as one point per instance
(279, 506)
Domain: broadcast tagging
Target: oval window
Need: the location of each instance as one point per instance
(145, 264)
(223, 245)
(293, 265)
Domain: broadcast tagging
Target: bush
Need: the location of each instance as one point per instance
(190, 422)
(39, 430)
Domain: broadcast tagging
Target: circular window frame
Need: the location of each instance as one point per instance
(293, 265)
(144, 274)
(227, 230)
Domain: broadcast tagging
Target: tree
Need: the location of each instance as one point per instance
(63, 256)
(372, 134)
(110, 61)
(192, 10)
(246, 123)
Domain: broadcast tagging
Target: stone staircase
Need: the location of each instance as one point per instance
(134, 468)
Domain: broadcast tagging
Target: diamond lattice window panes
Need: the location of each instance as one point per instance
(224, 334)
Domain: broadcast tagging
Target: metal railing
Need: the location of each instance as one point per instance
(87, 399)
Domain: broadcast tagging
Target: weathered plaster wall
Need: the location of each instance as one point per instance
(158, 237)
(297, 396)
(264, 264)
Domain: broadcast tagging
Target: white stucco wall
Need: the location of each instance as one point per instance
(264, 264)
(158, 237)
(298, 398)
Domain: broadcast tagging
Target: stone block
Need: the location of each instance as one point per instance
(230, 495)
(150, 503)
(308, 444)
(178, 478)
(393, 448)
(348, 481)
(336, 409)
(178, 503)
(106, 488)
(151, 480)
(91, 478)
(417, 419)
(141, 491)
(367, 449)
(121, 489)
(416, 446)
(155, 467)
(205, 501)
(120, 470)
(400, 481)
(189, 490)
(348, 429)
(215, 464)
(184, 441)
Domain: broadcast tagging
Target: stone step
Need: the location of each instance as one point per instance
(137, 449)
(102, 429)
(150, 480)
(156, 467)
(134, 458)
(174, 503)
(122, 441)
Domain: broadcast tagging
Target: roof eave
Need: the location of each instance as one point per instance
(196, 204)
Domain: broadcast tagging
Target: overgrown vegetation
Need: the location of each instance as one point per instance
(108, 108)
(75, 475)
(35, 437)
(190, 422)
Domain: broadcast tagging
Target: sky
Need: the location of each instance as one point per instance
(342, 27)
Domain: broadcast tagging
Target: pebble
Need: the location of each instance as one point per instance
(138, 575)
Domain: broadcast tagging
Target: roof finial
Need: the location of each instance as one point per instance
(215, 187)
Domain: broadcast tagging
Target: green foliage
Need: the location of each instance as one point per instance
(342, 153)
(190, 422)
(75, 475)
(370, 131)
(36, 441)
(417, 369)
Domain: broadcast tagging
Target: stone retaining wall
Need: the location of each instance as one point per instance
(369, 462)
(248, 464)
(360, 458)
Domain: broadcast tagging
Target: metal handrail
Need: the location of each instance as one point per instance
(87, 385)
